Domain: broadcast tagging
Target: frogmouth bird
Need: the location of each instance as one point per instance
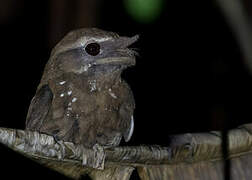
(81, 97)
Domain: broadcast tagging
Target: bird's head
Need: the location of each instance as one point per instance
(91, 50)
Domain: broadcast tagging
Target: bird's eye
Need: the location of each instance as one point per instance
(93, 49)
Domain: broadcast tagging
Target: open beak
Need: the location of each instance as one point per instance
(122, 55)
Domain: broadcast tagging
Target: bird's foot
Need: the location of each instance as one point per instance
(94, 158)
(99, 156)
(62, 150)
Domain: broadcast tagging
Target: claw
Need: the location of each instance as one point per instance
(84, 159)
(62, 150)
(94, 158)
(99, 156)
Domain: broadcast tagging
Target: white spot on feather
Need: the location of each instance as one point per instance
(112, 94)
(84, 68)
(62, 95)
(92, 84)
(62, 82)
(69, 108)
(74, 99)
(69, 93)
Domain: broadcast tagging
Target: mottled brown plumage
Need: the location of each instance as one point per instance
(81, 96)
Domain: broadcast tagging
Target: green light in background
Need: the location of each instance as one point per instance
(144, 11)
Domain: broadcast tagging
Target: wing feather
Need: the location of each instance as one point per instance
(128, 134)
(39, 108)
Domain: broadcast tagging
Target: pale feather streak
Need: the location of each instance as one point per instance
(131, 129)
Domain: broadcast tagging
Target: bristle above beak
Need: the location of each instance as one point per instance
(124, 42)
(131, 40)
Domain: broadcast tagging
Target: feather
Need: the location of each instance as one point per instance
(39, 108)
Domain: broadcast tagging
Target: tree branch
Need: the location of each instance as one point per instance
(185, 148)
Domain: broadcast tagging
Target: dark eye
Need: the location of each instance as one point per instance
(93, 49)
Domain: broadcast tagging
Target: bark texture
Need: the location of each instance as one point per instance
(196, 156)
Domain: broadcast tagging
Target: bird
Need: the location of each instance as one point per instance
(81, 97)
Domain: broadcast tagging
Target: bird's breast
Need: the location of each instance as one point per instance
(80, 99)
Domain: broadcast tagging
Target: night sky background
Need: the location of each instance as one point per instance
(190, 75)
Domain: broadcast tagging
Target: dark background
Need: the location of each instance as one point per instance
(190, 76)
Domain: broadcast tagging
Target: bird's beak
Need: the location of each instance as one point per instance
(122, 54)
